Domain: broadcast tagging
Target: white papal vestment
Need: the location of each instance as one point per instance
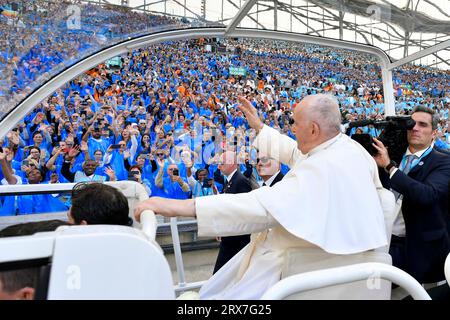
(328, 200)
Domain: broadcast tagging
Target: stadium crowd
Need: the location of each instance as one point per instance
(170, 110)
(41, 37)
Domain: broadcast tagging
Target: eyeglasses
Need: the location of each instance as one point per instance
(263, 160)
(160, 154)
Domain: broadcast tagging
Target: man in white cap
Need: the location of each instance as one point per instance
(328, 200)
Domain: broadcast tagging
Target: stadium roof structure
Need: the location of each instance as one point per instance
(400, 27)
(396, 32)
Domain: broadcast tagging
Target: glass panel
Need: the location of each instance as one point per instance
(160, 100)
(38, 39)
(41, 38)
(388, 25)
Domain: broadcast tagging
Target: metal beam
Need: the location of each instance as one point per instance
(145, 5)
(420, 54)
(186, 8)
(275, 14)
(239, 16)
(249, 16)
(388, 92)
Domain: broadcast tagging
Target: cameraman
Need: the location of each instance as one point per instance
(420, 241)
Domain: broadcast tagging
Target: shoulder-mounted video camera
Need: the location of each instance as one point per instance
(393, 135)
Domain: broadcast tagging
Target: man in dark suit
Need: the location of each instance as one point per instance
(269, 170)
(420, 240)
(233, 182)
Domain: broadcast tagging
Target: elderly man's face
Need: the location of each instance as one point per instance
(170, 169)
(302, 127)
(267, 166)
(228, 163)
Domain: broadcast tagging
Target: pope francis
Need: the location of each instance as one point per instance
(327, 200)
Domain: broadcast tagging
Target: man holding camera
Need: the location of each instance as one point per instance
(420, 241)
(173, 185)
(201, 186)
(93, 137)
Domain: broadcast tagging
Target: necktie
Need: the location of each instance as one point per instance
(225, 185)
(264, 184)
(409, 160)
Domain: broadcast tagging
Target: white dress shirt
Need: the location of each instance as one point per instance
(399, 224)
(270, 180)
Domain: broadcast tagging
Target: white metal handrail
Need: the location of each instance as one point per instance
(148, 226)
(179, 223)
(189, 286)
(177, 251)
(341, 275)
(447, 269)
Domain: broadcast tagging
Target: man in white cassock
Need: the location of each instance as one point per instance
(328, 200)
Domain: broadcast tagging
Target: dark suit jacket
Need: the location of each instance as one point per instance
(229, 246)
(425, 211)
(278, 178)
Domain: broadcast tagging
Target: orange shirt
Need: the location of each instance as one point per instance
(260, 85)
(93, 73)
(181, 90)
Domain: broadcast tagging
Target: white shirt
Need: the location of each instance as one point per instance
(228, 178)
(270, 180)
(399, 224)
(5, 182)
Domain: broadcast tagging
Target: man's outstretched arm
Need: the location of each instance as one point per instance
(269, 141)
(166, 207)
(219, 215)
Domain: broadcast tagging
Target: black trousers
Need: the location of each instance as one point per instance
(229, 246)
(398, 252)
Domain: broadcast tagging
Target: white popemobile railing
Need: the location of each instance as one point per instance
(288, 286)
(134, 193)
(447, 269)
(342, 275)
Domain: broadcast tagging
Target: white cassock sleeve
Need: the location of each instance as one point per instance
(278, 146)
(231, 214)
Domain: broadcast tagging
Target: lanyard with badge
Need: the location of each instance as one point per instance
(399, 197)
(415, 161)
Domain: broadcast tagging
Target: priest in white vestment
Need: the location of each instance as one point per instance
(327, 200)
